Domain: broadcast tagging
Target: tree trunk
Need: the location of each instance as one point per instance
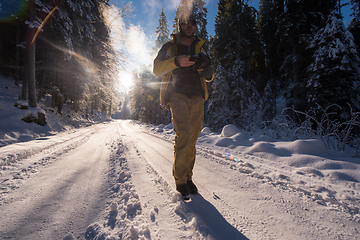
(31, 63)
(296, 70)
(32, 81)
(17, 55)
(25, 78)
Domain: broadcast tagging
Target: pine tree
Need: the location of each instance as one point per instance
(218, 110)
(270, 13)
(81, 39)
(300, 21)
(334, 72)
(244, 97)
(236, 37)
(73, 52)
(222, 33)
(268, 107)
(238, 50)
(354, 26)
(162, 31)
(199, 10)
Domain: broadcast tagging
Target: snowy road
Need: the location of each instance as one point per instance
(65, 194)
(114, 181)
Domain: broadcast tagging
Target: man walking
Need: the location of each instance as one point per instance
(185, 67)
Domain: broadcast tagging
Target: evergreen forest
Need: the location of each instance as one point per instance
(292, 57)
(61, 48)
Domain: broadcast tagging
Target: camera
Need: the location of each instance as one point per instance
(201, 61)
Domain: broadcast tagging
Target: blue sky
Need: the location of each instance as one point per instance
(146, 13)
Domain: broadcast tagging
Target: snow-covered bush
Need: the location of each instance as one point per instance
(323, 124)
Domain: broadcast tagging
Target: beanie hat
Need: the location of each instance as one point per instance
(185, 17)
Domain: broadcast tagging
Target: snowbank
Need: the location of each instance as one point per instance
(12, 112)
(308, 157)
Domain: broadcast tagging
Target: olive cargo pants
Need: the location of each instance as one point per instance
(187, 118)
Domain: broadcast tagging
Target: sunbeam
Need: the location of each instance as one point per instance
(126, 79)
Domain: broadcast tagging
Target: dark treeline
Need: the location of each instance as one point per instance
(298, 50)
(71, 57)
(294, 52)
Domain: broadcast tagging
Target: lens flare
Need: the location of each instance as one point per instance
(88, 65)
(12, 10)
(230, 156)
(38, 23)
(42, 24)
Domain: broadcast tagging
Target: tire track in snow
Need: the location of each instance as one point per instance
(30, 159)
(150, 163)
(123, 217)
(20, 151)
(63, 196)
(288, 178)
(152, 157)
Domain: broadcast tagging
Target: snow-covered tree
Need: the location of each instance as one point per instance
(162, 31)
(200, 12)
(236, 36)
(80, 58)
(268, 101)
(238, 48)
(300, 20)
(244, 99)
(218, 110)
(354, 26)
(334, 72)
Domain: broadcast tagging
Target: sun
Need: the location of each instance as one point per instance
(126, 80)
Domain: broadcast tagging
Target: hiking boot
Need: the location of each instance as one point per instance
(192, 188)
(183, 189)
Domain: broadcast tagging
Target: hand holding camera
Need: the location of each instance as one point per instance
(184, 61)
(202, 61)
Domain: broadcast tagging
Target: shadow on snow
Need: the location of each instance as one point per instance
(219, 227)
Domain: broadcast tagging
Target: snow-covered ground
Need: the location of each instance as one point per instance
(12, 130)
(80, 179)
